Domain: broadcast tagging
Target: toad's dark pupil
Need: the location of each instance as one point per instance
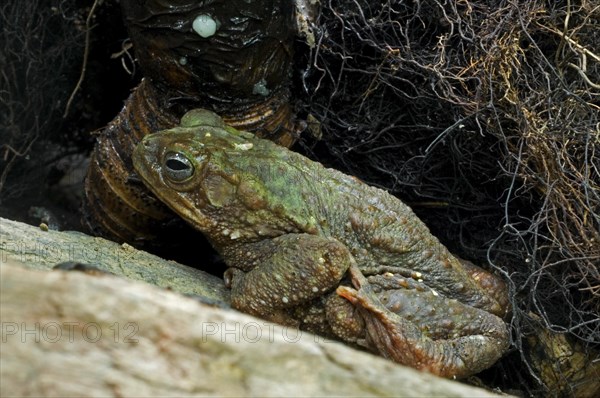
(177, 165)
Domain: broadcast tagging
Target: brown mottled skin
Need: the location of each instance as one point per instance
(313, 247)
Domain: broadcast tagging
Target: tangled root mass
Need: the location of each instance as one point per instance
(484, 116)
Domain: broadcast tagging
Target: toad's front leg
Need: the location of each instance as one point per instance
(422, 329)
(269, 277)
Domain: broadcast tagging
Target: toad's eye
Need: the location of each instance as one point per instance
(177, 167)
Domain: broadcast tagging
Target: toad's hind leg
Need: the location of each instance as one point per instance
(270, 277)
(427, 331)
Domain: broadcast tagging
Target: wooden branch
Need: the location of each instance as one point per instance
(75, 334)
(42, 250)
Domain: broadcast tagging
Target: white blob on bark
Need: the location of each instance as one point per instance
(204, 25)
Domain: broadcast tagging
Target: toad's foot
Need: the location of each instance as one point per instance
(452, 340)
(285, 272)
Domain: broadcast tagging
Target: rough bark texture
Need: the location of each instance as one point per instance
(44, 249)
(74, 334)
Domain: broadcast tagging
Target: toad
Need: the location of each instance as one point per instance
(312, 247)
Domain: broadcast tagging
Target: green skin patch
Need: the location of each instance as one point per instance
(315, 248)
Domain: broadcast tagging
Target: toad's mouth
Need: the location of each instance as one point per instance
(148, 171)
(190, 211)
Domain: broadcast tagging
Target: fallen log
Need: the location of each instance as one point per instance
(75, 334)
